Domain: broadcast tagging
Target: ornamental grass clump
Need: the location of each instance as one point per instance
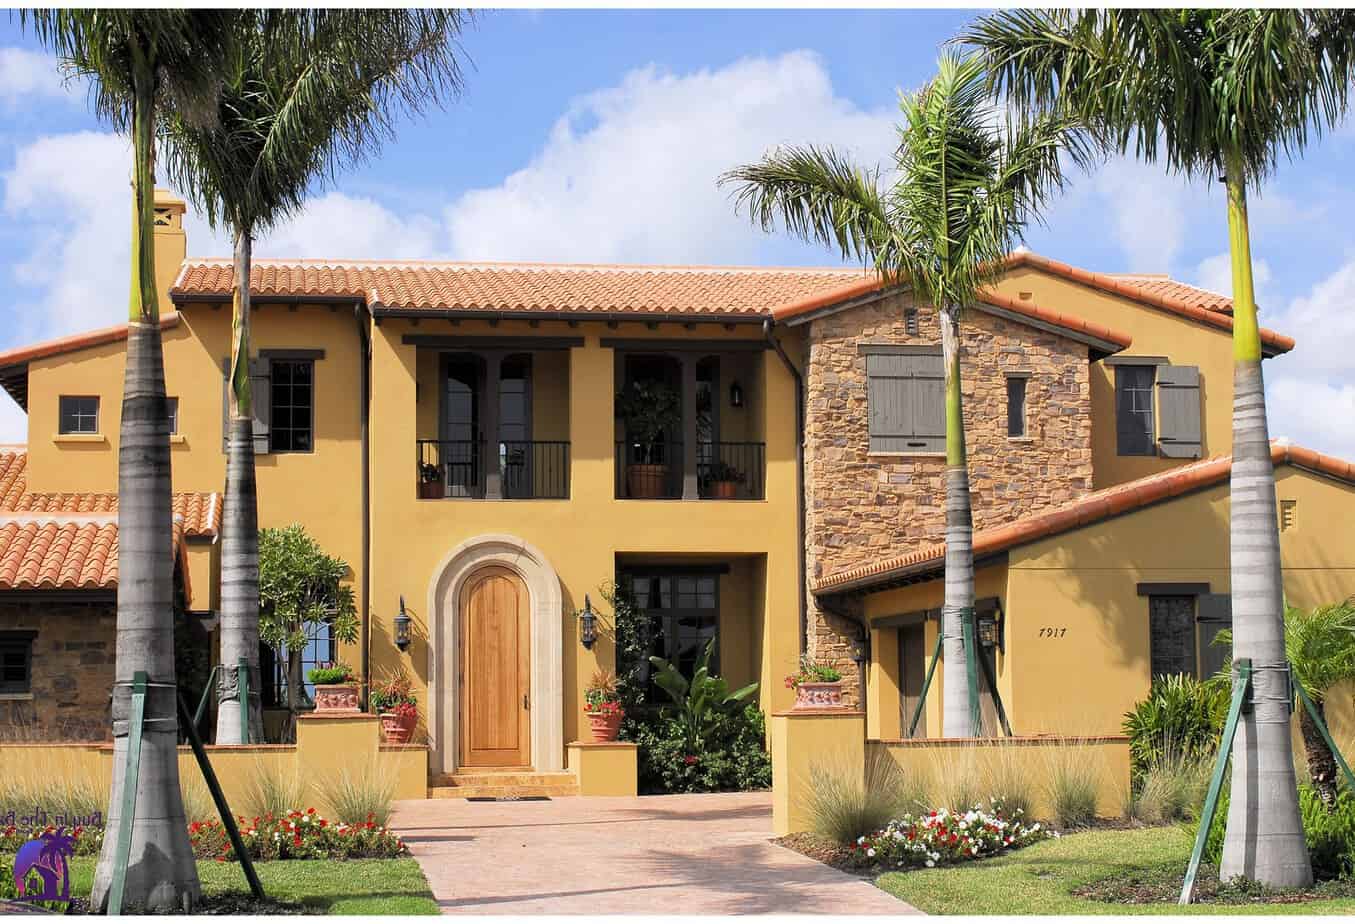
(846, 802)
(1170, 790)
(943, 837)
(1072, 782)
(364, 795)
(271, 790)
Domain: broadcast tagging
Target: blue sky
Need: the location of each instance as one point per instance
(597, 136)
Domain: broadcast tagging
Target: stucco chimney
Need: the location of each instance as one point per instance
(171, 244)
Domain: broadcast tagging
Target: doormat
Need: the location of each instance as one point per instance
(508, 798)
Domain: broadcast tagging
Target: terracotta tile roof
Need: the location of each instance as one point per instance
(200, 513)
(1165, 295)
(1096, 506)
(1106, 338)
(598, 289)
(1167, 287)
(65, 551)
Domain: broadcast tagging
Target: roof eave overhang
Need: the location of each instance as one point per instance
(479, 314)
(795, 320)
(225, 298)
(918, 573)
(1099, 346)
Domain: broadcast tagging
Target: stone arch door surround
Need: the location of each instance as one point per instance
(547, 640)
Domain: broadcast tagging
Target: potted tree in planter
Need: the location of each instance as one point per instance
(393, 701)
(817, 685)
(723, 480)
(336, 687)
(649, 410)
(430, 481)
(603, 707)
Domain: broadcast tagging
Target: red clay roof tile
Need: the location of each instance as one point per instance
(65, 551)
(1094, 507)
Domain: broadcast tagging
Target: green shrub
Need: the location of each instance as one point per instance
(733, 755)
(846, 802)
(1330, 833)
(1181, 718)
(330, 673)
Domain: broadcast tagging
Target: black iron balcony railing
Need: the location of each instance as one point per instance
(510, 469)
(724, 471)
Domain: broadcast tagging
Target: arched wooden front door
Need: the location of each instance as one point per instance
(495, 681)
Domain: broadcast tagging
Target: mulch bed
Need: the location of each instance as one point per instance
(826, 850)
(1162, 884)
(223, 903)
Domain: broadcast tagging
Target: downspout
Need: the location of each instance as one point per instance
(799, 479)
(362, 318)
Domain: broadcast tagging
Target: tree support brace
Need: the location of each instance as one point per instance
(989, 680)
(1326, 732)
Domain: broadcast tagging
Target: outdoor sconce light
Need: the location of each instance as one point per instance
(990, 630)
(735, 394)
(402, 622)
(588, 629)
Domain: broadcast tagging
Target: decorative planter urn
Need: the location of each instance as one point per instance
(725, 490)
(398, 729)
(605, 725)
(332, 698)
(816, 695)
(432, 489)
(646, 479)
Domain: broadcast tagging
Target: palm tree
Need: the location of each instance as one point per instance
(303, 94)
(141, 62)
(1213, 93)
(966, 187)
(1320, 646)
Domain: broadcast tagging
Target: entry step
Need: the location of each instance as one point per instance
(502, 784)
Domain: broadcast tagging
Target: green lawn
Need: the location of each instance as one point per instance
(324, 886)
(1039, 879)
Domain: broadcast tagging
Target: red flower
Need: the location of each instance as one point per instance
(690, 759)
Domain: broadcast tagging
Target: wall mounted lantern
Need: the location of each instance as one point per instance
(402, 622)
(990, 630)
(735, 394)
(588, 630)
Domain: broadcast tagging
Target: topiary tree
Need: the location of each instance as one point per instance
(299, 586)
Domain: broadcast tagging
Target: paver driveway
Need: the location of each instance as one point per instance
(706, 854)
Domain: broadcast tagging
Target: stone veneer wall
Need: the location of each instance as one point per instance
(72, 673)
(862, 507)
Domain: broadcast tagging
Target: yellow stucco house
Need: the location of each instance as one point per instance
(451, 431)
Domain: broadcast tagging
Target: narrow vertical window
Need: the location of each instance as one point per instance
(172, 412)
(1134, 410)
(78, 414)
(291, 405)
(910, 325)
(16, 662)
(1016, 405)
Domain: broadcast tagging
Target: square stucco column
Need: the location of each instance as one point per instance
(690, 487)
(592, 424)
(802, 740)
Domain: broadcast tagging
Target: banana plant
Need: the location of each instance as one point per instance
(699, 703)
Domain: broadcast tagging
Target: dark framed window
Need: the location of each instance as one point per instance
(683, 609)
(16, 662)
(320, 649)
(291, 405)
(78, 414)
(1134, 410)
(1016, 405)
(1171, 633)
(910, 325)
(172, 412)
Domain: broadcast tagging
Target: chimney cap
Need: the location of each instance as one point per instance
(166, 199)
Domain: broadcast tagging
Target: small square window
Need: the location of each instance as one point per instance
(1016, 405)
(16, 662)
(78, 414)
(910, 325)
(172, 411)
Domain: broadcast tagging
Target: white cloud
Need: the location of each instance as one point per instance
(340, 226)
(628, 173)
(1310, 396)
(1149, 210)
(28, 77)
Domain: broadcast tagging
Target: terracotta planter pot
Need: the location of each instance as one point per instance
(646, 480)
(398, 729)
(725, 490)
(815, 695)
(605, 726)
(336, 697)
(431, 489)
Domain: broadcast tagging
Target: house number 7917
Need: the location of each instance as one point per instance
(1053, 631)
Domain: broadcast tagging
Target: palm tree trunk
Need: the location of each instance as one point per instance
(1264, 839)
(240, 527)
(958, 712)
(1321, 762)
(161, 873)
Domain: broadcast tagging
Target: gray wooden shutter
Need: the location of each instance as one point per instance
(1215, 614)
(261, 396)
(1178, 406)
(225, 403)
(906, 402)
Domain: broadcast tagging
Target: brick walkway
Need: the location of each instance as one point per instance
(653, 855)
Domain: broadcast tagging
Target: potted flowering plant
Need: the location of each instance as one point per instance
(393, 701)
(723, 480)
(336, 687)
(430, 481)
(603, 706)
(817, 685)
